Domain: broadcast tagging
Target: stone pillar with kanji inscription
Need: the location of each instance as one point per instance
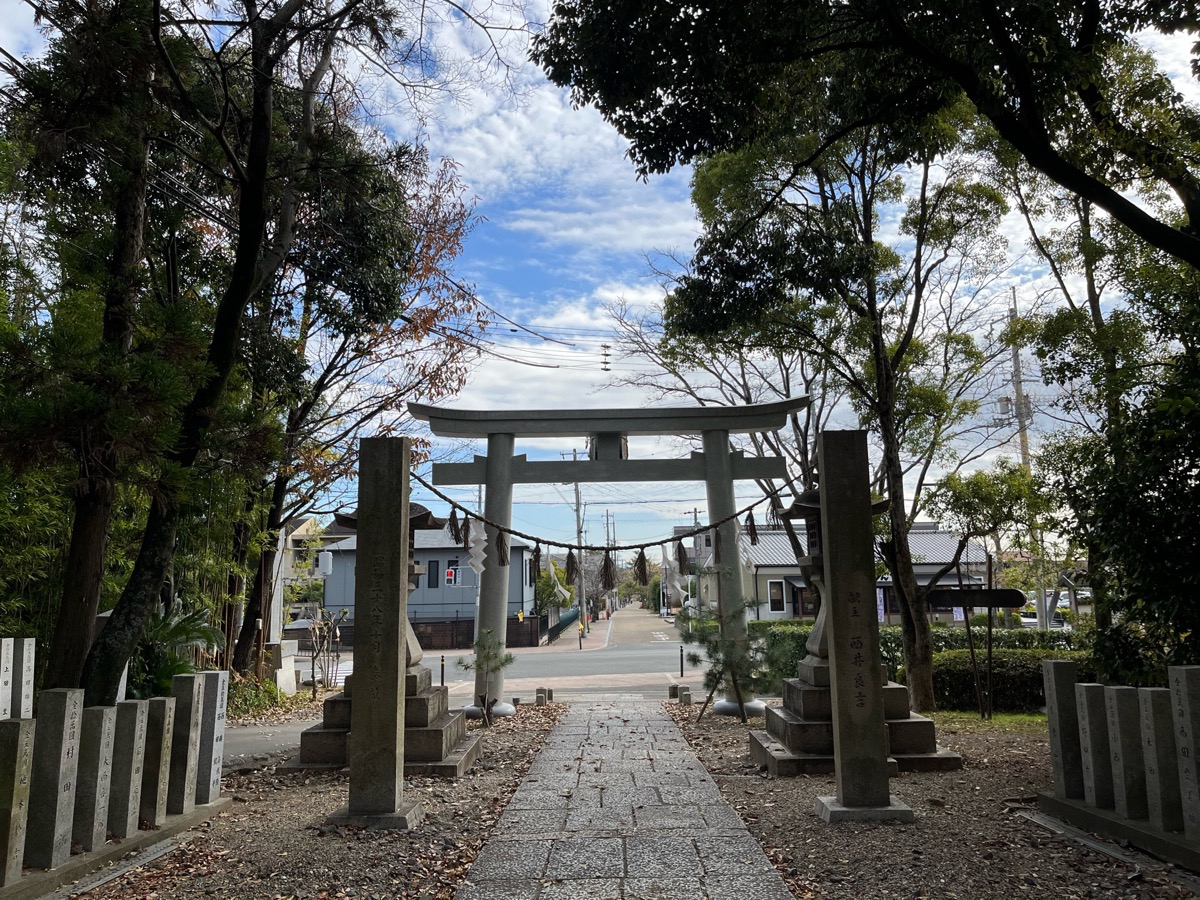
(380, 612)
(860, 740)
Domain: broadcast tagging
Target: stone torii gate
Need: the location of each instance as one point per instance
(717, 466)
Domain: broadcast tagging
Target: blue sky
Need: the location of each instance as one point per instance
(567, 230)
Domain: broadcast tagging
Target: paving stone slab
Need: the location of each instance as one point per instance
(662, 856)
(598, 889)
(746, 888)
(663, 888)
(577, 858)
(507, 889)
(532, 822)
(511, 860)
(606, 819)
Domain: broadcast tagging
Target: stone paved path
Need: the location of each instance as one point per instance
(617, 806)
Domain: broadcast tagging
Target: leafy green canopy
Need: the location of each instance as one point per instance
(683, 81)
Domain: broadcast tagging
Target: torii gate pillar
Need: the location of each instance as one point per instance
(492, 614)
(731, 608)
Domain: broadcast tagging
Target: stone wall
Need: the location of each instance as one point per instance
(1125, 759)
(88, 776)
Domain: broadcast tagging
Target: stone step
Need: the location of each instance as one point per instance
(321, 746)
(772, 756)
(336, 711)
(797, 734)
(416, 680)
(915, 734)
(456, 763)
(938, 761)
(436, 741)
(426, 707)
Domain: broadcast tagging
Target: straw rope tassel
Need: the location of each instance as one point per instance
(609, 572)
(641, 568)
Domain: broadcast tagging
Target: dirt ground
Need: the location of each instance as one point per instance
(969, 840)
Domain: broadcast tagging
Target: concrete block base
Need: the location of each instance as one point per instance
(729, 707)
(831, 811)
(1172, 846)
(406, 818)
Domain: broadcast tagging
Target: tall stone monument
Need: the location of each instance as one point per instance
(381, 611)
(16, 759)
(55, 766)
(860, 743)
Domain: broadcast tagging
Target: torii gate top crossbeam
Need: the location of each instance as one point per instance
(473, 423)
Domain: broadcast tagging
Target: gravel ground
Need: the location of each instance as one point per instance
(969, 839)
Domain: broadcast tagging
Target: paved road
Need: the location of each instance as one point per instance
(632, 656)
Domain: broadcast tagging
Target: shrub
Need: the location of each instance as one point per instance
(1017, 684)
(250, 697)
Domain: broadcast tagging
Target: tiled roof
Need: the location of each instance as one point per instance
(929, 546)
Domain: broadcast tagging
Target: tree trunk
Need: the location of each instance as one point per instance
(74, 629)
(116, 643)
(257, 602)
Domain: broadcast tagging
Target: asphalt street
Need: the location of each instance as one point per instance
(634, 655)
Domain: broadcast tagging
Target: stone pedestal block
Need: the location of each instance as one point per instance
(156, 772)
(212, 737)
(54, 772)
(129, 757)
(6, 677)
(1093, 743)
(16, 763)
(1125, 743)
(24, 650)
(90, 829)
(188, 692)
(1184, 684)
(1164, 802)
(1066, 757)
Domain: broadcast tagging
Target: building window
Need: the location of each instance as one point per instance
(532, 573)
(435, 569)
(775, 593)
(452, 573)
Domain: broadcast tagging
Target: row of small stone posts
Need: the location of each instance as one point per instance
(1125, 759)
(77, 775)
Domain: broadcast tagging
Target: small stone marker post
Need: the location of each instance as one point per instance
(1184, 684)
(16, 760)
(381, 611)
(6, 677)
(1093, 742)
(212, 737)
(188, 692)
(156, 770)
(860, 742)
(1066, 757)
(1163, 801)
(129, 757)
(24, 650)
(1125, 742)
(52, 784)
(90, 830)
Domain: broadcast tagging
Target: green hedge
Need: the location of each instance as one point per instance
(784, 642)
(1017, 684)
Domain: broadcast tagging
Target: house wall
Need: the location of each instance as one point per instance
(433, 599)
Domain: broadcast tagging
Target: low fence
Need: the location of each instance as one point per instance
(86, 775)
(1125, 759)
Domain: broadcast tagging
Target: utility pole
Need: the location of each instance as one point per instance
(1023, 412)
(583, 624)
(1023, 415)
